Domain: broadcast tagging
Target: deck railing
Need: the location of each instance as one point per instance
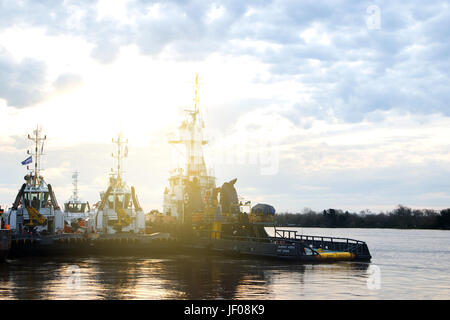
(292, 234)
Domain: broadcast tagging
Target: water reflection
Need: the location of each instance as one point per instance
(176, 277)
(413, 264)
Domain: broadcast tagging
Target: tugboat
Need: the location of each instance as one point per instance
(194, 215)
(76, 211)
(119, 221)
(38, 226)
(35, 219)
(119, 210)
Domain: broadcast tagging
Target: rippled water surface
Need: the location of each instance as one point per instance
(406, 264)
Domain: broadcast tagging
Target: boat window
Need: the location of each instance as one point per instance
(119, 200)
(27, 198)
(111, 201)
(127, 203)
(35, 200)
(75, 207)
(308, 251)
(44, 199)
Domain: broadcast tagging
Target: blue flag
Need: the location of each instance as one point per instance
(27, 160)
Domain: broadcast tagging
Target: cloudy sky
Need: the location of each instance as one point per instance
(337, 105)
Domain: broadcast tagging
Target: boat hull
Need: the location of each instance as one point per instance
(291, 251)
(5, 243)
(163, 243)
(80, 244)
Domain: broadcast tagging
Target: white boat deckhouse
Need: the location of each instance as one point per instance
(193, 179)
(35, 209)
(75, 208)
(119, 210)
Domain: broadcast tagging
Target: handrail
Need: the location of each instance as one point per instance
(281, 233)
(297, 238)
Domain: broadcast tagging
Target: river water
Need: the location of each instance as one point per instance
(406, 264)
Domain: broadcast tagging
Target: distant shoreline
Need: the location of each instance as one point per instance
(400, 218)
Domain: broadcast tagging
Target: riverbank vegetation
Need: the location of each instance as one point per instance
(400, 218)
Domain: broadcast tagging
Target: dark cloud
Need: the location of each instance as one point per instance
(21, 82)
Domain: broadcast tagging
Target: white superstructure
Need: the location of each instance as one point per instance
(176, 196)
(119, 209)
(75, 208)
(35, 209)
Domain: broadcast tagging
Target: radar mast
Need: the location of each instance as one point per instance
(191, 135)
(193, 173)
(122, 152)
(38, 152)
(75, 186)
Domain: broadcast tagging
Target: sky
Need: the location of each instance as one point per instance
(342, 104)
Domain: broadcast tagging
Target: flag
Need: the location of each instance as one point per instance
(27, 160)
(126, 152)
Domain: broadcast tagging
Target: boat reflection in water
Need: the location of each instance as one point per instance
(175, 277)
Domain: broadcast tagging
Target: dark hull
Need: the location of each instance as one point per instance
(3, 254)
(271, 250)
(5, 243)
(77, 244)
(162, 243)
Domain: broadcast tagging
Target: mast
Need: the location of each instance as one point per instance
(194, 120)
(75, 186)
(121, 145)
(192, 136)
(189, 134)
(38, 152)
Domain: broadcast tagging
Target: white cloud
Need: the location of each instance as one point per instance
(116, 10)
(314, 35)
(214, 13)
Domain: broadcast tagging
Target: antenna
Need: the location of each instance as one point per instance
(196, 97)
(121, 145)
(191, 136)
(38, 152)
(75, 186)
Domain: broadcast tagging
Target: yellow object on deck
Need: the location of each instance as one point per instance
(216, 230)
(35, 216)
(123, 219)
(335, 255)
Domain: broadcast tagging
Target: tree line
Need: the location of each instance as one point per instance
(400, 218)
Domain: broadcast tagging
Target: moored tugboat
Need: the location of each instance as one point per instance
(119, 210)
(35, 219)
(76, 211)
(239, 232)
(231, 225)
(118, 223)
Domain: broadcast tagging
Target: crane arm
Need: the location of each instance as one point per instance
(35, 216)
(123, 219)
